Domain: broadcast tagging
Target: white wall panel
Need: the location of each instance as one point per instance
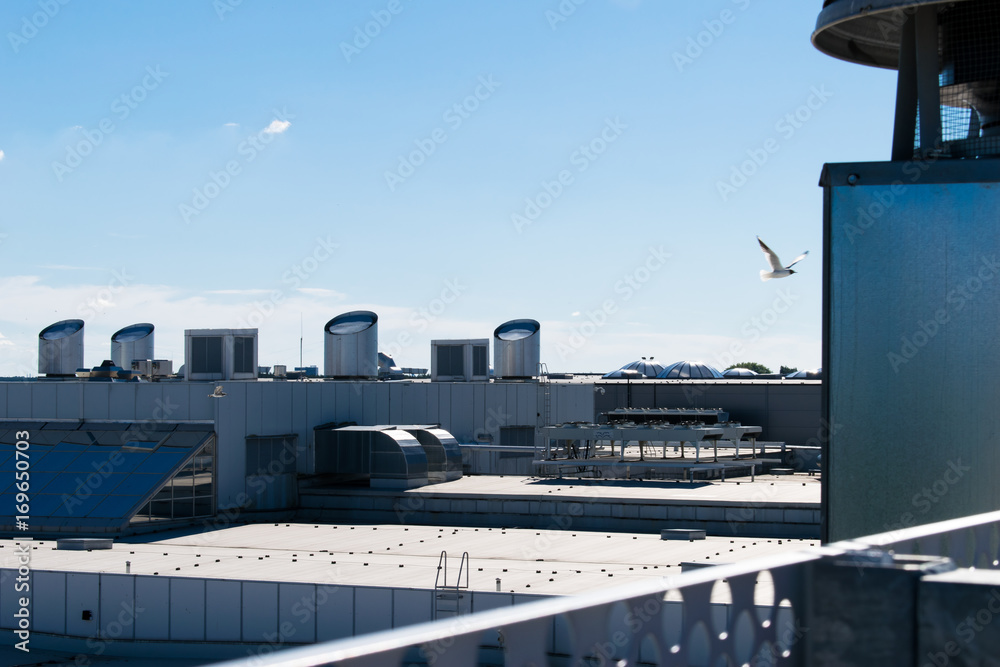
(444, 404)
(297, 612)
(43, 398)
(372, 609)
(187, 610)
(202, 406)
(355, 404)
(381, 408)
(252, 402)
(96, 401)
(260, 611)
(334, 612)
(152, 607)
(48, 601)
(149, 398)
(121, 397)
(411, 606)
(19, 396)
(432, 413)
(276, 407)
(9, 599)
(369, 402)
(83, 594)
(478, 409)
(223, 606)
(176, 401)
(527, 404)
(484, 601)
(117, 606)
(461, 412)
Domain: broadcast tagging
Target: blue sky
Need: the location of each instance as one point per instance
(602, 166)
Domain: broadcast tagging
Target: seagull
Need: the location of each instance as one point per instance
(777, 270)
(218, 393)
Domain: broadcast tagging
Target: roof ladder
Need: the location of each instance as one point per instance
(451, 599)
(545, 398)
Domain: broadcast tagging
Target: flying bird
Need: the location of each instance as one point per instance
(777, 270)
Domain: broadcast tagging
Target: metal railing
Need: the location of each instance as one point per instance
(665, 621)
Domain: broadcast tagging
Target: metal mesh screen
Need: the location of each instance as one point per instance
(969, 79)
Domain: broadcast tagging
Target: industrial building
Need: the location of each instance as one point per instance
(427, 477)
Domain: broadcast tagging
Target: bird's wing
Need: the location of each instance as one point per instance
(798, 259)
(772, 259)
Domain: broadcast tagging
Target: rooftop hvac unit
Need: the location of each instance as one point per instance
(909, 260)
(460, 360)
(133, 342)
(517, 349)
(350, 345)
(220, 354)
(60, 349)
(948, 58)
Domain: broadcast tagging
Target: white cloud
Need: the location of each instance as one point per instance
(240, 291)
(277, 126)
(230, 125)
(1, 156)
(322, 293)
(68, 267)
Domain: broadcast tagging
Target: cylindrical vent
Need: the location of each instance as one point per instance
(350, 345)
(133, 342)
(517, 349)
(60, 348)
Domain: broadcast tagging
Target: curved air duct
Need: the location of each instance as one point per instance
(398, 457)
(384, 457)
(444, 456)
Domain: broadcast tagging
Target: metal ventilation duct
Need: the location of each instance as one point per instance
(948, 58)
(132, 342)
(350, 345)
(381, 455)
(60, 349)
(517, 349)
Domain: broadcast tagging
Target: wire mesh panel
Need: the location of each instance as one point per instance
(969, 79)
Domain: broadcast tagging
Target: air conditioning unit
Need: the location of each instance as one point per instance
(163, 367)
(143, 367)
(220, 354)
(460, 360)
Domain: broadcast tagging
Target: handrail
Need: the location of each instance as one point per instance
(442, 563)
